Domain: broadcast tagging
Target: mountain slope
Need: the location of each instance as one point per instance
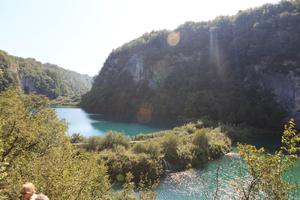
(46, 79)
(239, 69)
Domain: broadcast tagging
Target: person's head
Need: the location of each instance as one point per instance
(27, 191)
(41, 197)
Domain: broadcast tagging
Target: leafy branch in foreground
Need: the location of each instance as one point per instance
(34, 148)
(267, 170)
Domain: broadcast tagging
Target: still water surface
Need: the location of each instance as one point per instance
(91, 124)
(188, 185)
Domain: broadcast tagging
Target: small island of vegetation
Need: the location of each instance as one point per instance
(33, 139)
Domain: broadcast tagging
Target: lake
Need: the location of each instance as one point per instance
(201, 184)
(91, 124)
(188, 185)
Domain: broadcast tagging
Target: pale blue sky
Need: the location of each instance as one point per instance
(80, 34)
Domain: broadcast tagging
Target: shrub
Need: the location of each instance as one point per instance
(200, 139)
(154, 149)
(217, 150)
(200, 142)
(185, 157)
(190, 128)
(170, 145)
(93, 143)
(113, 139)
(37, 150)
(77, 138)
(267, 170)
(151, 148)
(142, 166)
(140, 147)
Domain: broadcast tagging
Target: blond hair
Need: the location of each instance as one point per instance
(28, 187)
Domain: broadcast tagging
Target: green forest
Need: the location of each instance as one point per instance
(32, 76)
(224, 70)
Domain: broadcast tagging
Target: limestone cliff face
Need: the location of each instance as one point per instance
(285, 87)
(239, 69)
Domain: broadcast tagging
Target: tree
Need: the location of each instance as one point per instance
(170, 145)
(76, 138)
(267, 170)
(35, 148)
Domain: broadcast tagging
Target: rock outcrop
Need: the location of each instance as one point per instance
(238, 69)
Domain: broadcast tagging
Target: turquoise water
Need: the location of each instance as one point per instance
(91, 124)
(188, 185)
(201, 184)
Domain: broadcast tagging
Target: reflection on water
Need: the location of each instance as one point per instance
(90, 124)
(201, 184)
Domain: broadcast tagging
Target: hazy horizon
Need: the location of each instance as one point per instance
(79, 35)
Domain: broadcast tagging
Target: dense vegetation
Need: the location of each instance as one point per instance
(267, 170)
(216, 69)
(34, 147)
(33, 140)
(146, 157)
(46, 79)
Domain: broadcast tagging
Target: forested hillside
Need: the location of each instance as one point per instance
(241, 69)
(46, 79)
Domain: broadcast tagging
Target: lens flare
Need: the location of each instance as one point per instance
(144, 114)
(214, 47)
(173, 38)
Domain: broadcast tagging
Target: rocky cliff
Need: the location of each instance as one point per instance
(285, 87)
(238, 69)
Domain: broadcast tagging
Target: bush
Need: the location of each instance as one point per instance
(142, 166)
(113, 139)
(200, 142)
(77, 138)
(185, 157)
(217, 150)
(151, 148)
(219, 144)
(93, 143)
(154, 149)
(190, 128)
(170, 145)
(34, 148)
(267, 170)
(200, 139)
(140, 147)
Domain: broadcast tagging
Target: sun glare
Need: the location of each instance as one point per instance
(173, 38)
